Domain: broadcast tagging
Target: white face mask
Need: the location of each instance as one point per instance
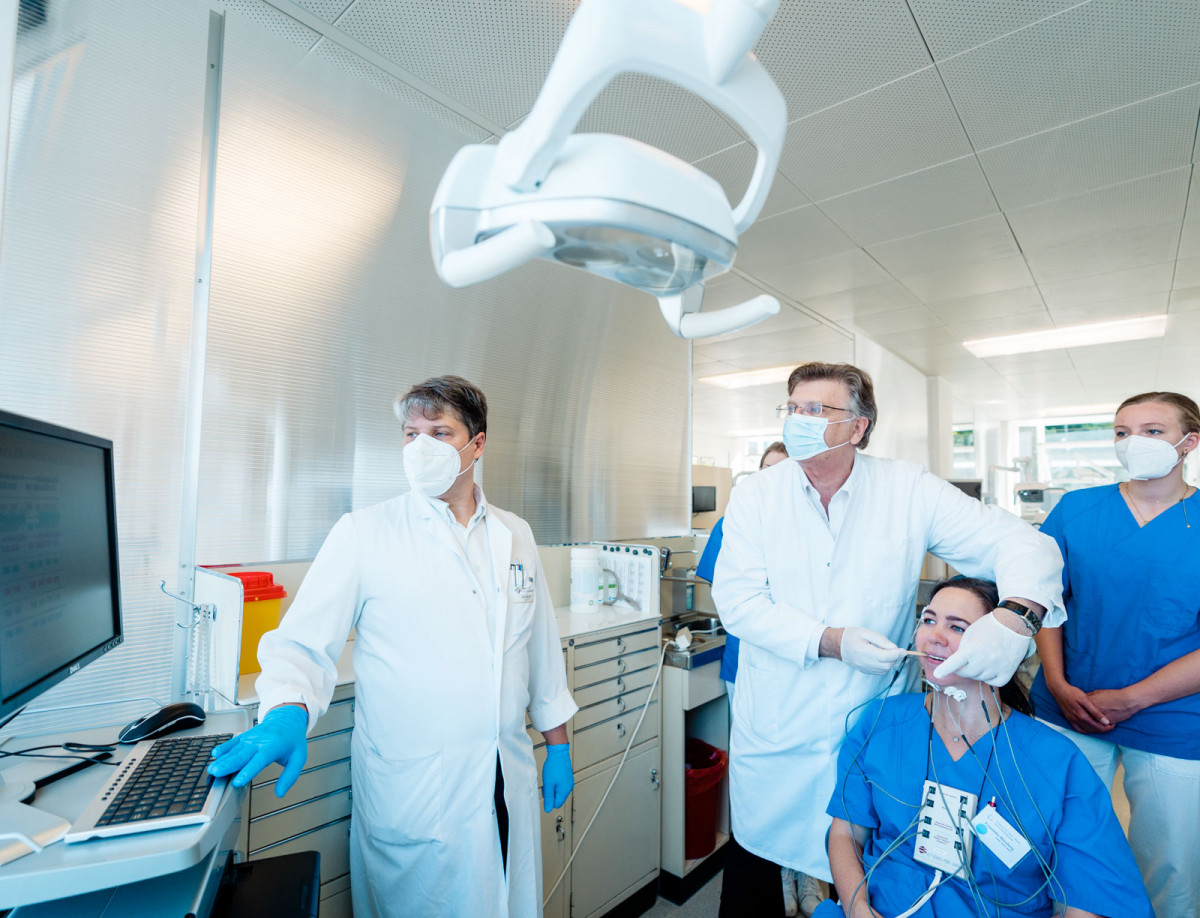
(432, 466)
(1147, 457)
(804, 436)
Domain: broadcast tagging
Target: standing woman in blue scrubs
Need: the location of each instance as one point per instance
(1122, 676)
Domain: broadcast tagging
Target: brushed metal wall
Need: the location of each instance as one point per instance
(324, 305)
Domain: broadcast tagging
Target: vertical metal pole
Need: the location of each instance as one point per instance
(199, 348)
(9, 10)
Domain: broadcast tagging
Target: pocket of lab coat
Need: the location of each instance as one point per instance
(757, 693)
(400, 801)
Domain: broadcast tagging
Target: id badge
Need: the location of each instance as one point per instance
(522, 583)
(999, 837)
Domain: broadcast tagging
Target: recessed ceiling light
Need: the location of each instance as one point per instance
(761, 377)
(1071, 336)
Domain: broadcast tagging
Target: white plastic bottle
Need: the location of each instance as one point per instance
(585, 579)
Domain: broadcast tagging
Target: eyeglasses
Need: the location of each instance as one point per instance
(811, 409)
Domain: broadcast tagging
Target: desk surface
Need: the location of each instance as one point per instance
(66, 870)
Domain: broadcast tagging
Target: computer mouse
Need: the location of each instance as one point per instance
(178, 716)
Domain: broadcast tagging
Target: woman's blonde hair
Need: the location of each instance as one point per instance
(1189, 413)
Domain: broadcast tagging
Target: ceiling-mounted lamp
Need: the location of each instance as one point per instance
(611, 205)
(1070, 336)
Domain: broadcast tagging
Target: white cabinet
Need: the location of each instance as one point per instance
(315, 814)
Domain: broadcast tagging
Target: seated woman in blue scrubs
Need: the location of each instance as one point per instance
(1036, 789)
(1122, 676)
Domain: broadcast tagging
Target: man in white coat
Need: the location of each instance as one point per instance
(817, 577)
(455, 640)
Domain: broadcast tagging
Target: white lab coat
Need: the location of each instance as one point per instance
(436, 697)
(785, 572)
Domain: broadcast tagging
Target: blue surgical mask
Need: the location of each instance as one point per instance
(804, 436)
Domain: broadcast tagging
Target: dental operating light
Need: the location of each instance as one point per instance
(612, 205)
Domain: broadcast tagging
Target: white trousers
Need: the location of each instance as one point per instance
(1164, 800)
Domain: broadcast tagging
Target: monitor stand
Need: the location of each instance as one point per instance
(21, 823)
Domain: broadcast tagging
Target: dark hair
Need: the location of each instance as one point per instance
(1189, 412)
(446, 394)
(1012, 693)
(776, 447)
(862, 391)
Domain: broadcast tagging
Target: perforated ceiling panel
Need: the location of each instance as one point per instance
(798, 235)
(1131, 142)
(356, 66)
(824, 51)
(985, 239)
(732, 169)
(892, 131)
(491, 56)
(275, 22)
(1095, 57)
(951, 26)
(329, 10)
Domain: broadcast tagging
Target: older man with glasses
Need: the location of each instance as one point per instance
(817, 577)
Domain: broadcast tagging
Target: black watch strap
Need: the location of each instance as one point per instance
(1031, 618)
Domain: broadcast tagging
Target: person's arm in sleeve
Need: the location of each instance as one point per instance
(707, 565)
(984, 541)
(550, 702)
(741, 592)
(854, 817)
(749, 612)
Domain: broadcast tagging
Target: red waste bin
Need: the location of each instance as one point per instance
(704, 767)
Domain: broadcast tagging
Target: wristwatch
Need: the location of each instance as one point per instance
(1030, 617)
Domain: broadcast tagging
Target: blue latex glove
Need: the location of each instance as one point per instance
(558, 780)
(278, 738)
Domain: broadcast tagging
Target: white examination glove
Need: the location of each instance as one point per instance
(869, 651)
(989, 651)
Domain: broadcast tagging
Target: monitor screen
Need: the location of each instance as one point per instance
(972, 487)
(59, 587)
(704, 498)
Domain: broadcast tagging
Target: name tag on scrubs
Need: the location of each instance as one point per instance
(999, 837)
(522, 583)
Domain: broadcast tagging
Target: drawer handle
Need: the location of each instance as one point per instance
(654, 782)
(620, 705)
(620, 666)
(620, 684)
(559, 831)
(620, 644)
(620, 731)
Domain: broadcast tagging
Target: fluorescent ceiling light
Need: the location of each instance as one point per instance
(760, 377)
(1072, 336)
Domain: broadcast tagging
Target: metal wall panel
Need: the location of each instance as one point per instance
(96, 287)
(325, 305)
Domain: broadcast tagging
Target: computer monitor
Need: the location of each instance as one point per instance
(60, 603)
(972, 487)
(704, 498)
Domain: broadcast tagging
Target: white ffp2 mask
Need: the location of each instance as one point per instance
(1146, 458)
(431, 466)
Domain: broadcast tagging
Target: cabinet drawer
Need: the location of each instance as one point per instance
(610, 669)
(611, 707)
(611, 688)
(315, 783)
(610, 737)
(331, 841)
(296, 820)
(615, 647)
(321, 751)
(338, 717)
(336, 905)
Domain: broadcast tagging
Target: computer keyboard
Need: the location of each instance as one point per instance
(162, 783)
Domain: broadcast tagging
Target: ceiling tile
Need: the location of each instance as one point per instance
(797, 236)
(1138, 140)
(953, 26)
(1187, 273)
(1189, 243)
(862, 301)
(953, 192)
(842, 271)
(1143, 246)
(1112, 285)
(1001, 325)
(824, 51)
(971, 280)
(986, 239)
(732, 168)
(1092, 58)
(880, 325)
(1148, 304)
(1185, 298)
(896, 129)
(329, 10)
(1015, 301)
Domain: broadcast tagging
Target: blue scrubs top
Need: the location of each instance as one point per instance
(1133, 606)
(1040, 781)
(705, 569)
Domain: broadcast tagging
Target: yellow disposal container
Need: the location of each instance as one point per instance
(261, 598)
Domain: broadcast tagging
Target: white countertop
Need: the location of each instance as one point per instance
(247, 694)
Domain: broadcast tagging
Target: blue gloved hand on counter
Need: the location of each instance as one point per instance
(277, 738)
(558, 780)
